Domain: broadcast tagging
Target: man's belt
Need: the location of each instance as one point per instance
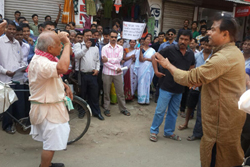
(87, 73)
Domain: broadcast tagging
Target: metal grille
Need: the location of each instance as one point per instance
(30, 7)
(175, 14)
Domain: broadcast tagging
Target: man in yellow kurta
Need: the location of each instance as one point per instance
(223, 81)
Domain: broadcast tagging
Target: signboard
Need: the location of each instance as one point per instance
(132, 30)
(82, 12)
(156, 12)
(242, 11)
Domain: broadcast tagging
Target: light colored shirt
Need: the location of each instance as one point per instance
(10, 57)
(165, 44)
(25, 52)
(46, 86)
(199, 59)
(17, 24)
(247, 62)
(89, 57)
(114, 55)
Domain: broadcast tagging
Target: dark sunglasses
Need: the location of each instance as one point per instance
(170, 34)
(113, 37)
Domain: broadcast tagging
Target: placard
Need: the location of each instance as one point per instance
(133, 30)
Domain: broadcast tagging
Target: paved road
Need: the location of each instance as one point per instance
(119, 141)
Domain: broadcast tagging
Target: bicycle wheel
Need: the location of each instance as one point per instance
(79, 119)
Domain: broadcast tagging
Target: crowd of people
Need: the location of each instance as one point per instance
(187, 69)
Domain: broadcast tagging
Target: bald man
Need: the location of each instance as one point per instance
(48, 115)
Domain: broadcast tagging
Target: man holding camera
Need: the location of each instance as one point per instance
(88, 55)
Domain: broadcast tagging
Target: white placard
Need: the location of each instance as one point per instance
(133, 30)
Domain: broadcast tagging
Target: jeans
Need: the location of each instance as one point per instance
(172, 101)
(197, 132)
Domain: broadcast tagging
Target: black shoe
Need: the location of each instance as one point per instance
(99, 116)
(57, 165)
(9, 130)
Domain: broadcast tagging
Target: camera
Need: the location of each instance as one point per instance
(56, 30)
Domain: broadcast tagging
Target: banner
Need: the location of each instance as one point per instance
(156, 12)
(82, 12)
(133, 30)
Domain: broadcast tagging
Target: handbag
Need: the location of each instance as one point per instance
(244, 102)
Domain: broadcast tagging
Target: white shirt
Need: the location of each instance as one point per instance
(10, 57)
(46, 86)
(89, 57)
(25, 52)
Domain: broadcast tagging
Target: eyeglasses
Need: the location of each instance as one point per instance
(113, 37)
(170, 34)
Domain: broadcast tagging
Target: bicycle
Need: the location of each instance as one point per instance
(79, 117)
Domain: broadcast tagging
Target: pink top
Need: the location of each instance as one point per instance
(114, 56)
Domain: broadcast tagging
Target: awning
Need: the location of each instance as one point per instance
(246, 2)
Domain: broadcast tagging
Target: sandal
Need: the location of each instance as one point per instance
(153, 137)
(182, 127)
(174, 137)
(125, 112)
(192, 138)
(107, 113)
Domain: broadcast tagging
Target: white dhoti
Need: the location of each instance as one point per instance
(54, 136)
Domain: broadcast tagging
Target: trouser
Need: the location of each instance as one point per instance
(166, 100)
(117, 80)
(89, 91)
(184, 100)
(213, 157)
(197, 132)
(155, 81)
(245, 137)
(157, 87)
(100, 85)
(18, 109)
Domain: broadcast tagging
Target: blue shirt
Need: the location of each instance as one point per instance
(17, 24)
(165, 44)
(199, 59)
(31, 52)
(247, 66)
(101, 44)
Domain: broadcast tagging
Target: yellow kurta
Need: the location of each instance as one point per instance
(223, 82)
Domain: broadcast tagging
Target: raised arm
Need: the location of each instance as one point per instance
(63, 64)
(59, 14)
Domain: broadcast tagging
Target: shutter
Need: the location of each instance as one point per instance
(175, 14)
(30, 7)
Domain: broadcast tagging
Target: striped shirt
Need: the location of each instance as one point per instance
(114, 55)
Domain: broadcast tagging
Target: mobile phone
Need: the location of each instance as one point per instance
(1, 20)
(93, 40)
